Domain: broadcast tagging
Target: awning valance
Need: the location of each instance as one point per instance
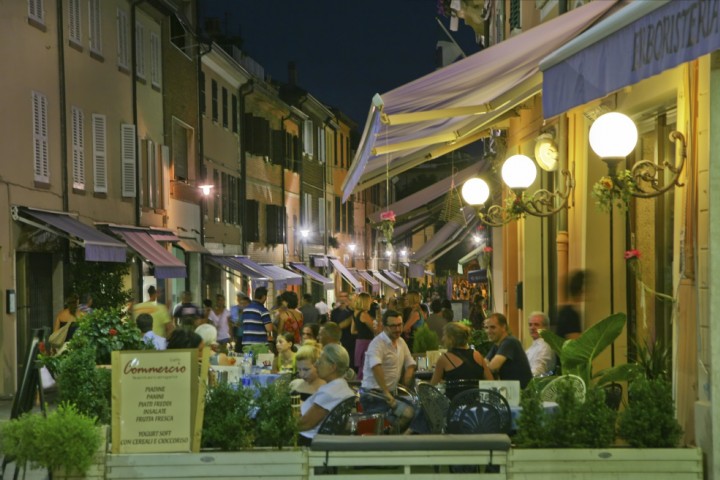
(456, 105)
(374, 284)
(234, 264)
(385, 280)
(395, 277)
(98, 246)
(312, 274)
(140, 240)
(337, 264)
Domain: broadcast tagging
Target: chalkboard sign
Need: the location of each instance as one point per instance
(30, 383)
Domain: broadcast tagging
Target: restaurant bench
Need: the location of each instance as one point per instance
(393, 456)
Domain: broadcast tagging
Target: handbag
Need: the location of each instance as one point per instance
(57, 339)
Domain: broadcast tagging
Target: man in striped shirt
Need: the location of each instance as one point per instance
(257, 326)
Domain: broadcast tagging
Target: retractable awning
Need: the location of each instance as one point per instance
(473, 255)
(385, 280)
(281, 277)
(312, 274)
(458, 238)
(98, 246)
(191, 246)
(458, 104)
(232, 263)
(395, 277)
(337, 264)
(374, 284)
(140, 240)
(447, 233)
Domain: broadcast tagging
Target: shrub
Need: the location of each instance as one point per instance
(425, 339)
(649, 419)
(532, 422)
(18, 440)
(105, 281)
(107, 330)
(228, 423)
(81, 383)
(275, 424)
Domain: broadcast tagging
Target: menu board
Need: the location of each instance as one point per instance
(154, 395)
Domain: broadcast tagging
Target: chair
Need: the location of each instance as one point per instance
(550, 392)
(435, 406)
(479, 411)
(337, 421)
(454, 387)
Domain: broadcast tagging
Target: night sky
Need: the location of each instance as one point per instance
(345, 51)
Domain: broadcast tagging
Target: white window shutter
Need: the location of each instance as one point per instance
(151, 174)
(155, 60)
(41, 162)
(321, 216)
(75, 31)
(36, 10)
(140, 50)
(321, 145)
(99, 133)
(165, 175)
(128, 147)
(95, 30)
(122, 40)
(308, 137)
(78, 148)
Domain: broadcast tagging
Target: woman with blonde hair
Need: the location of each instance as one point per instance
(413, 317)
(460, 362)
(69, 315)
(363, 329)
(308, 381)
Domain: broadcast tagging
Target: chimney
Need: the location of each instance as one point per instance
(292, 74)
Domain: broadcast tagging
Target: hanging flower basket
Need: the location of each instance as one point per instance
(387, 225)
(617, 192)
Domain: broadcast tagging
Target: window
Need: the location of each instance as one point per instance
(128, 146)
(95, 32)
(321, 216)
(234, 113)
(202, 92)
(214, 100)
(225, 107)
(122, 39)
(182, 138)
(322, 147)
(41, 162)
(225, 198)
(515, 16)
(307, 210)
(155, 60)
(218, 196)
(140, 50)
(251, 228)
(178, 35)
(275, 223)
(74, 30)
(308, 138)
(36, 11)
(99, 134)
(78, 148)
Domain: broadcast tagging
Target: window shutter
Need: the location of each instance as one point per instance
(251, 228)
(151, 174)
(321, 216)
(308, 138)
(155, 60)
(214, 99)
(40, 138)
(95, 33)
(140, 50)
(271, 224)
(351, 218)
(36, 11)
(278, 147)
(122, 39)
(99, 134)
(128, 147)
(322, 147)
(165, 175)
(75, 32)
(224, 100)
(234, 113)
(78, 149)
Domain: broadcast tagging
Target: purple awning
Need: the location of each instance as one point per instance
(312, 274)
(386, 280)
(337, 264)
(374, 284)
(99, 247)
(395, 277)
(282, 277)
(165, 263)
(233, 264)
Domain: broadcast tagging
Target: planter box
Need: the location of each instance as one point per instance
(285, 464)
(611, 463)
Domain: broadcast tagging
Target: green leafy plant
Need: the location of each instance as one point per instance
(654, 359)
(275, 424)
(532, 422)
(255, 349)
(228, 423)
(425, 339)
(65, 439)
(84, 385)
(105, 281)
(609, 192)
(107, 330)
(649, 421)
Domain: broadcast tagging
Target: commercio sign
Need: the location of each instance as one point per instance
(675, 33)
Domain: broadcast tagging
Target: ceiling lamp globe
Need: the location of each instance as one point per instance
(519, 172)
(475, 191)
(613, 135)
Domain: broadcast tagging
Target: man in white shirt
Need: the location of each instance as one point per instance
(220, 317)
(541, 357)
(323, 310)
(388, 362)
(144, 323)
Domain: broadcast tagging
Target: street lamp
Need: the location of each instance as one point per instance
(518, 173)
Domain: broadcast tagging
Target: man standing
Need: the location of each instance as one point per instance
(388, 362)
(323, 311)
(257, 326)
(187, 314)
(161, 326)
(343, 315)
(220, 317)
(506, 359)
(569, 325)
(310, 312)
(539, 354)
(236, 312)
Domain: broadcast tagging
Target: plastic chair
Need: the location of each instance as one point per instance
(479, 411)
(435, 406)
(337, 421)
(550, 392)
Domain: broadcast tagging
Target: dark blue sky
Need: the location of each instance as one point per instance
(345, 51)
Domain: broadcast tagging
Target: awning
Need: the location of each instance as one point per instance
(98, 246)
(162, 235)
(337, 264)
(312, 274)
(191, 246)
(374, 284)
(234, 264)
(640, 40)
(395, 277)
(448, 232)
(456, 105)
(456, 240)
(473, 255)
(386, 280)
(165, 263)
(282, 277)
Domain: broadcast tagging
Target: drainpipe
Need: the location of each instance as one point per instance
(246, 89)
(63, 105)
(133, 79)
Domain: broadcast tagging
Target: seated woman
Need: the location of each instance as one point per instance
(308, 381)
(331, 367)
(208, 333)
(460, 362)
(285, 359)
(310, 333)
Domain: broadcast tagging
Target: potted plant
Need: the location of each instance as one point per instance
(648, 420)
(425, 340)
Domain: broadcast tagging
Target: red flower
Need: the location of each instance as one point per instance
(113, 332)
(389, 216)
(630, 254)
(487, 249)
(41, 347)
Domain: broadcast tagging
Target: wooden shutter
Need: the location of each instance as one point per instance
(78, 148)
(251, 229)
(165, 175)
(128, 147)
(99, 134)
(140, 50)
(155, 60)
(308, 137)
(75, 31)
(122, 39)
(35, 10)
(95, 33)
(40, 138)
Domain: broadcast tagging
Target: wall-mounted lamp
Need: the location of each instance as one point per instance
(613, 136)
(352, 247)
(206, 189)
(388, 253)
(304, 233)
(518, 173)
